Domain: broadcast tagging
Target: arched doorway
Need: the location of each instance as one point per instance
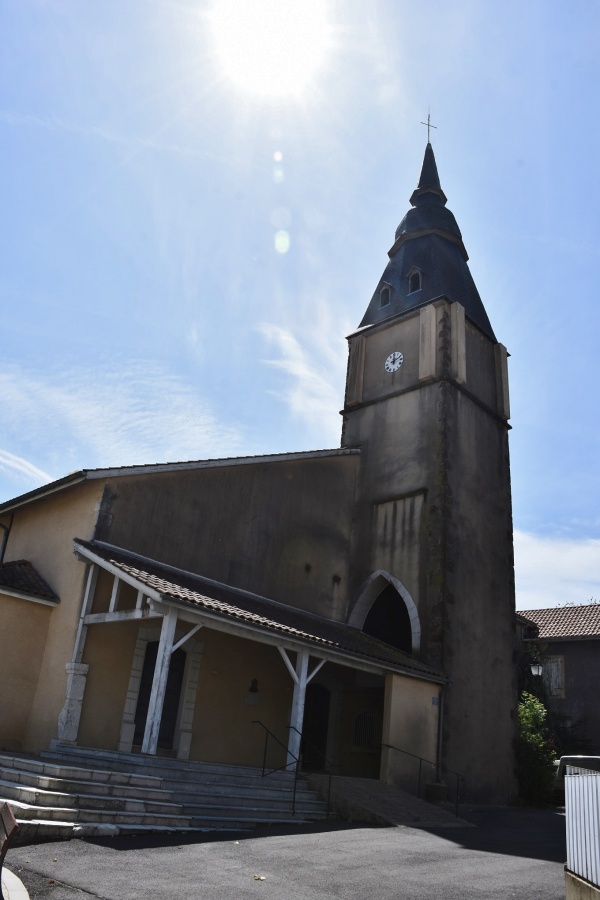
(385, 609)
(388, 620)
(315, 727)
(168, 720)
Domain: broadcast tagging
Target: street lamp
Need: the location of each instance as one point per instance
(536, 667)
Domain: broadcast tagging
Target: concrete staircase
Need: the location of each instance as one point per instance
(76, 792)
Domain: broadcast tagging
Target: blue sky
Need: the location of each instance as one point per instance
(146, 312)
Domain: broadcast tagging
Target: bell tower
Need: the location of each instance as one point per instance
(427, 402)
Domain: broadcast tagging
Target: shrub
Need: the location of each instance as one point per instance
(536, 751)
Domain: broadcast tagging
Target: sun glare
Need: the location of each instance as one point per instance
(271, 47)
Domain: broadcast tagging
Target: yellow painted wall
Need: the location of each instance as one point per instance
(42, 532)
(223, 729)
(410, 722)
(24, 632)
(109, 653)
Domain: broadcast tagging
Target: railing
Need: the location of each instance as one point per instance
(327, 762)
(433, 765)
(283, 768)
(296, 763)
(582, 802)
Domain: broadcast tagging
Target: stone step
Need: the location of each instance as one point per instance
(200, 773)
(124, 820)
(212, 818)
(71, 785)
(169, 791)
(194, 805)
(41, 798)
(195, 772)
(96, 794)
(26, 811)
(305, 802)
(81, 773)
(136, 761)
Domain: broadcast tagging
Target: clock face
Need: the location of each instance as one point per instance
(394, 361)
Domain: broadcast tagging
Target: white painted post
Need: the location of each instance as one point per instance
(114, 596)
(297, 717)
(159, 682)
(86, 606)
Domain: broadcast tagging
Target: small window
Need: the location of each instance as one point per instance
(367, 731)
(553, 673)
(414, 282)
(384, 296)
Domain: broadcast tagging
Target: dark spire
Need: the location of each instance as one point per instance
(428, 259)
(429, 182)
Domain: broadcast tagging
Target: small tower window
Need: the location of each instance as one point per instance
(384, 296)
(414, 281)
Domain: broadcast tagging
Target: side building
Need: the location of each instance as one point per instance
(566, 642)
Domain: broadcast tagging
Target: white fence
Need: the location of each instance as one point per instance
(582, 798)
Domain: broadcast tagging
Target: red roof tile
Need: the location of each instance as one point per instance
(268, 615)
(566, 621)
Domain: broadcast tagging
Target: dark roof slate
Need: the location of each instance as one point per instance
(566, 621)
(269, 615)
(428, 239)
(429, 180)
(21, 577)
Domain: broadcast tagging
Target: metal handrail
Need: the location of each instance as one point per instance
(328, 762)
(422, 760)
(269, 733)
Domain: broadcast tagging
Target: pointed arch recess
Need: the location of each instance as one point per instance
(369, 593)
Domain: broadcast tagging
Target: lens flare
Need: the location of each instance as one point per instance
(282, 241)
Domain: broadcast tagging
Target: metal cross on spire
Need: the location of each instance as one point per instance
(429, 126)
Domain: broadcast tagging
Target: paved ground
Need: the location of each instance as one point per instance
(514, 853)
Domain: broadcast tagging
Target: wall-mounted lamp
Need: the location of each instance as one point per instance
(253, 689)
(536, 667)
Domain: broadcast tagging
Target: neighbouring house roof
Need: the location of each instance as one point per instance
(565, 622)
(224, 602)
(154, 468)
(21, 579)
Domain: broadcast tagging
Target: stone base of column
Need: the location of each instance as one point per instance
(70, 715)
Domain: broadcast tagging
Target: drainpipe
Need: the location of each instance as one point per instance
(5, 537)
(438, 773)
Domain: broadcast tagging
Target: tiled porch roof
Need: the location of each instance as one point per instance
(20, 577)
(254, 611)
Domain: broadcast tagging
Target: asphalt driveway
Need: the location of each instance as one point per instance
(510, 852)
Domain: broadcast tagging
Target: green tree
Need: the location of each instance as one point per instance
(536, 750)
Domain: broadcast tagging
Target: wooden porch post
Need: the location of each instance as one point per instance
(159, 682)
(301, 679)
(297, 717)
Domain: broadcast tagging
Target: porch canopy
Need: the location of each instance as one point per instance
(175, 595)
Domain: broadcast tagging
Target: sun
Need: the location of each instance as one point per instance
(271, 47)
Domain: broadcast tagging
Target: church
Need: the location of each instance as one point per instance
(357, 603)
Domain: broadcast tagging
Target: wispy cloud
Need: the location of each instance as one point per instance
(312, 389)
(55, 123)
(16, 464)
(551, 571)
(133, 144)
(116, 414)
